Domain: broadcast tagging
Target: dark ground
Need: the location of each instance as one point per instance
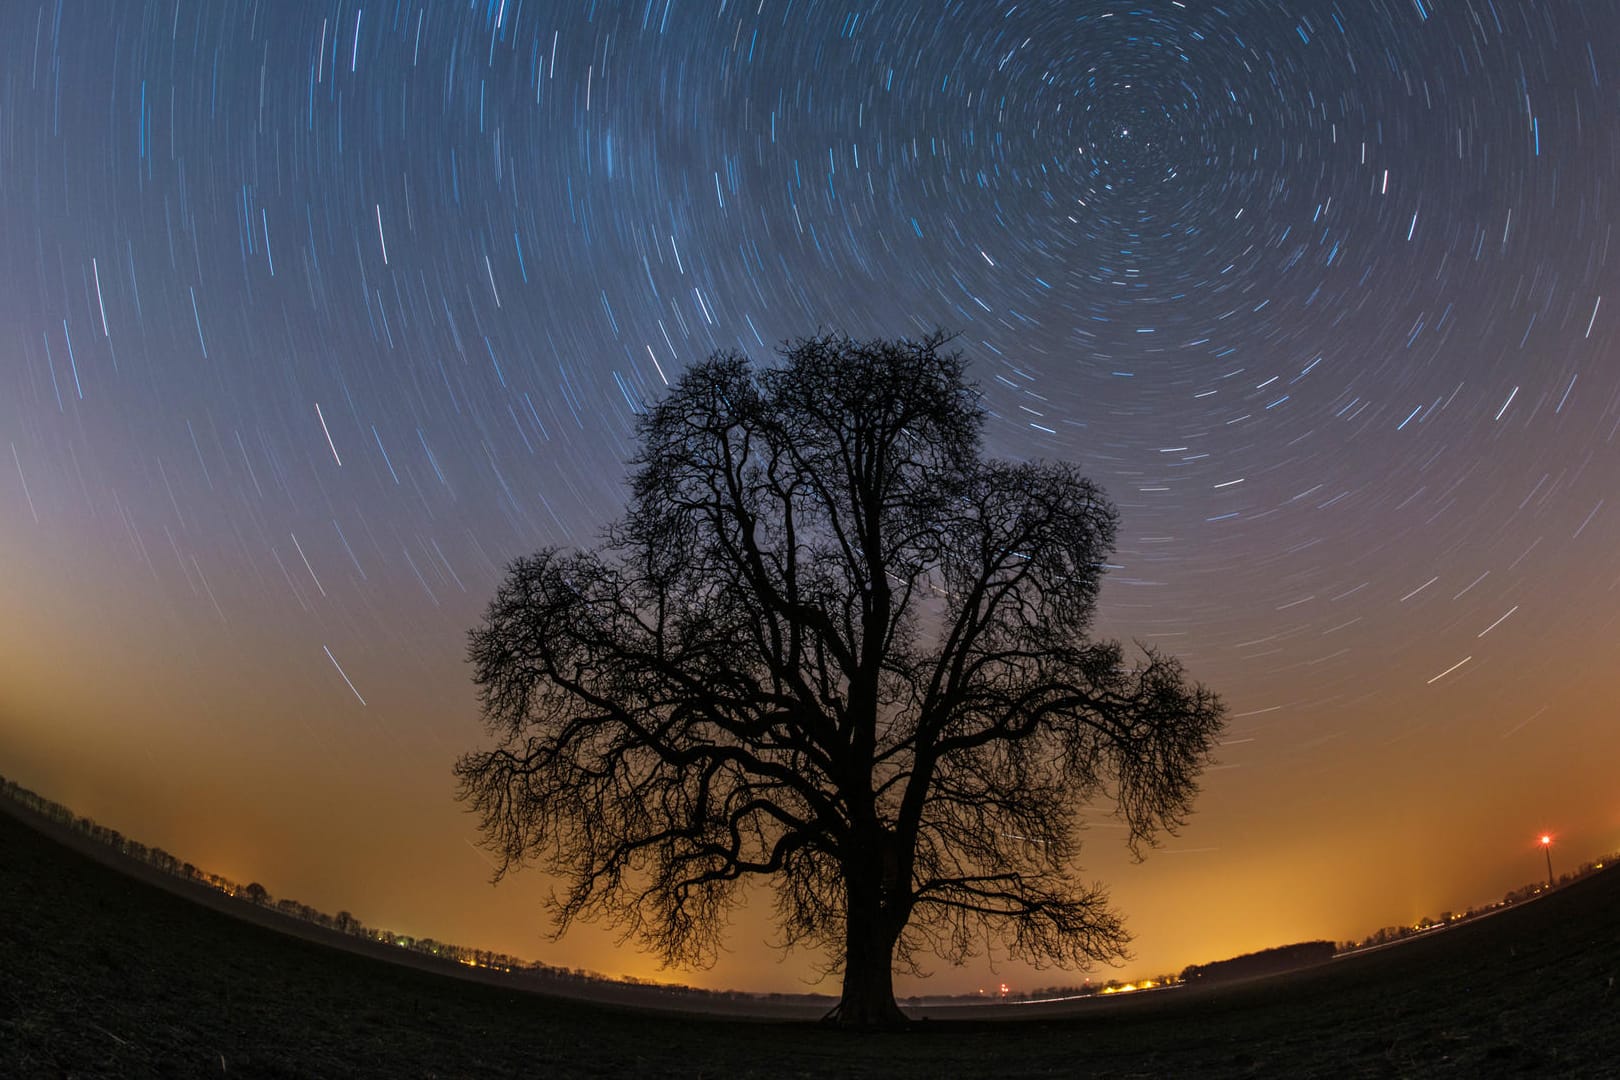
(105, 975)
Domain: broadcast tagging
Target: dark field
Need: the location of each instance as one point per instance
(104, 975)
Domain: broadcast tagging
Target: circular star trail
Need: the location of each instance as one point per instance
(314, 315)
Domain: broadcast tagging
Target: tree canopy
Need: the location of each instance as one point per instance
(832, 648)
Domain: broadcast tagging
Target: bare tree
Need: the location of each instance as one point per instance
(831, 647)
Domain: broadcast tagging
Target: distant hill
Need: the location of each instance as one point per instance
(105, 975)
(1265, 962)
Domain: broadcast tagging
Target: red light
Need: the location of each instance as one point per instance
(1546, 839)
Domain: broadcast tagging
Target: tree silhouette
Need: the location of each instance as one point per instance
(830, 647)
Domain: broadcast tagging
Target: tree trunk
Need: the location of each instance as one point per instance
(868, 995)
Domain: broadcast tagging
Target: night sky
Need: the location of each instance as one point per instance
(312, 316)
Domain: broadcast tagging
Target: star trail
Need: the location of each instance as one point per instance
(314, 315)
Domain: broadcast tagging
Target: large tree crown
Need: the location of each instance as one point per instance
(831, 645)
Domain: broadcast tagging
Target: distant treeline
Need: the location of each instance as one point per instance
(1265, 962)
(343, 922)
(1391, 934)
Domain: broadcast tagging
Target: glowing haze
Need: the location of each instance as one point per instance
(314, 315)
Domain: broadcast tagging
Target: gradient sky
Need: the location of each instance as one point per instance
(314, 315)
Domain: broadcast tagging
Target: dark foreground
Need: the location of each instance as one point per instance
(103, 975)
